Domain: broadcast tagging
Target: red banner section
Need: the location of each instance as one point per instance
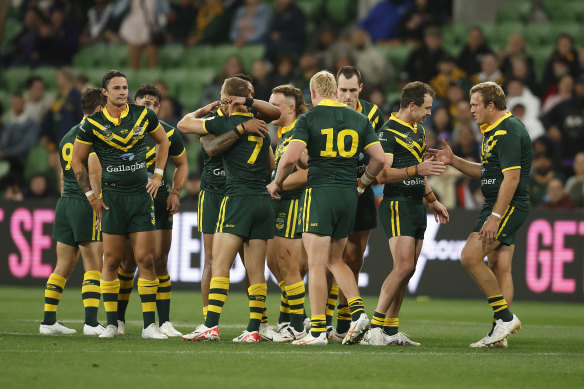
(548, 263)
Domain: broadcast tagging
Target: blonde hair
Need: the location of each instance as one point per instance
(491, 93)
(324, 83)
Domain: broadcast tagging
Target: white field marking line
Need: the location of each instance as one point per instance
(313, 350)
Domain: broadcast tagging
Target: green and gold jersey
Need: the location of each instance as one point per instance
(65, 155)
(334, 135)
(285, 136)
(407, 144)
(120, 146)
(506, 146)
(247, 161)
(213, 176)
(375, 116)
(175, 149)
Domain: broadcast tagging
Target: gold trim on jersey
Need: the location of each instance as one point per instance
(285, 129)
(511, 168)
(395, 118)
(371, 144)
(298, 140)
(122, 143)
(114, 120)
(486, 127)
(181, 153)
(489, 144)
(247, 114)
(220, 112)
(331, 103)
(406, 146)
(82, 141)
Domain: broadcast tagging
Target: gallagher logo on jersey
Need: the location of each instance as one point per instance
(128, 157)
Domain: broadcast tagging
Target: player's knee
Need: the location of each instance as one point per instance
(145, 261)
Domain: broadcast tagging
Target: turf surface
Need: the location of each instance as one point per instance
(549, 352)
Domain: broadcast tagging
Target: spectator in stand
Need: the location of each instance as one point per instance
(581, 60)
(532, 124)
(542, 174)
(565, 92)
(37, 100)
(373, 65)
(515, 49)
(520, 71)
(333, 47)
(575, 184)
(22, 49)
(377, 97)
(59, 39)
(285, 66)
(383, 20)
(518, 93)
(414, 21)
(489, 71)
(441, 123)
(465, 120)
(250, 23)
(11, 187)
(262, 83)
(65, 111)
(143, 28)
(466, 145)
(181, 19)
(100, 24)
(471, 57)
(82, 82)
(287, 30)
(212, 20)
(19, 134)
(177, 107)
(448, 74)
(555, 197)
(39, 187)
(308, 66)
(454, 96)
(421, 63)
(167, 113)
(233, 65)
(563, 60)
(565, 124)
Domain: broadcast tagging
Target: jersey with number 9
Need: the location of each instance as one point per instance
(334, 135)
(65, 154)
(247, 162)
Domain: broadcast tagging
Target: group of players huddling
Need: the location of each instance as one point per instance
(316, 222)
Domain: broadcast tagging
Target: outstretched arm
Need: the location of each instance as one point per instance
(389, 174)
(472, 169)
(193, 123)
(216, 145)
(266, 111)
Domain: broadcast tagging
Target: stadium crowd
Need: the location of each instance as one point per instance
(50, 33)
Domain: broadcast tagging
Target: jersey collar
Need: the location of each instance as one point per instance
(486, 128)
(359, 106)
(331, 103)
(114, 120)
(414, 128)
(220, 112)
(248, 114)
(283, 130)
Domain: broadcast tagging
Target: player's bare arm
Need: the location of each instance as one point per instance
(285, 167)
(80, 155)
(178, 182)
(445, 155)
(193, 123)
(215, 145)
(488, 232)
(271, 161)
(436, 207)
(296, 180)
(265, 111)
(161, 139)
(430, 167)
(94, 168)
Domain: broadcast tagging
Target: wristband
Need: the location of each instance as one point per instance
(239, 131)
(91, 197)
(248, 102)
(430, 197)
(409, 171)
(496, 214)
(89, 193)
(366, 179)
(159, 171)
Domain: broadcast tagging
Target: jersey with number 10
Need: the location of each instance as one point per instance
(247, 161)
(334, 135)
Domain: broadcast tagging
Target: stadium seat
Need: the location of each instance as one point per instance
(563, 12)
(196, 56)
(169, 56)
(37, 161)
(216, 58)
(90, 56)
(340, 11)
(312, 8)
(114, 57)
(572, 29)
(397, 55)
(514, 12)
(143, 76)
(250, 53)
(14, 78)
(502, 31)
(540, 55)
(11, 28)
(538, 34)
(48, 74)
(454, 34)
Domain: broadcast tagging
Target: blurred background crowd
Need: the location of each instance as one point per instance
(51, 50)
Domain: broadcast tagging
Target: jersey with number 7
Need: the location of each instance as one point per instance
(247, 162)
(334, 135)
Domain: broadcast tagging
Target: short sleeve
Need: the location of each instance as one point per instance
(507, 149)
(176, 147)
(387, 140)
(152, 120)
(216, 125)
(85, 134)
(370, 136)
(301, 133)
(376, 118)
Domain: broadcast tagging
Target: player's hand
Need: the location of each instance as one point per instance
(233, 100)
(360, 187)
(488, 232)
(173, 203)
(440, 212)
(273, 190)
(431, 167)
(445, 155)
(256, 127)
(153, 185)
(204, 111)
(98, 206)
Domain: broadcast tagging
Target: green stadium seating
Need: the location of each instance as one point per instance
(312, 8)
(113, 57)
(397, 55)
(170, 55)
(514, 12)
(13, 79)
(251, 53)
(48, 74)
(538, 34)
(540, 55)
(563, 12)
(340, 11)
(196, 56)
(11, 28)
(143, 76)
(454, 35)
(37, 161)
(90, 56)
(573, 29)
(501, 33)
(216, 58)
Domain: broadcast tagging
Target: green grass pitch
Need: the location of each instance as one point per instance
(548, 353)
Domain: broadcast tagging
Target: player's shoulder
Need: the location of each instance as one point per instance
(369, 107)
(515, 126)
(167, 127)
